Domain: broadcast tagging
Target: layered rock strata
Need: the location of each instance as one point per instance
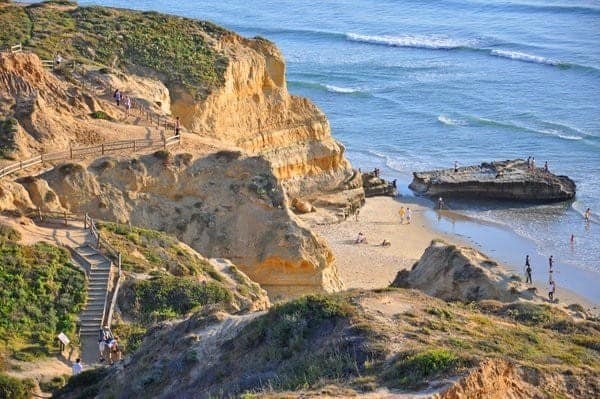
(225, 205)
(505, 180)
(462, 274)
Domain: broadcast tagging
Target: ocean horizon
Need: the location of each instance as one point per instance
(413, 86)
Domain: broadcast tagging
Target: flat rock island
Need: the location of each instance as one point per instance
(513, 180)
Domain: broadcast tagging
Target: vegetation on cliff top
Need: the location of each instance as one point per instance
(180, 49)
(41, 292)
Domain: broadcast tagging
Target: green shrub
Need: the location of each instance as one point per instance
(14, 388)
(43, 293)
(166, 297)
(412, 370)
(101, 115)
(8, 233)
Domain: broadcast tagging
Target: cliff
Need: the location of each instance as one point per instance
(462, 274)
(391, 343)
(224, 205)
(504, 180)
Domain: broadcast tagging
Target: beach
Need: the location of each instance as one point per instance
(371, 265)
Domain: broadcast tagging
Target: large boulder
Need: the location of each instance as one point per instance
(462, 274)
(505, 180)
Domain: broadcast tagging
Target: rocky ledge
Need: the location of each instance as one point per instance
(501, 180)
(375, 186)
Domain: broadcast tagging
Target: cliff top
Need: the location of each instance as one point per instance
(363, 342)
(183, 50)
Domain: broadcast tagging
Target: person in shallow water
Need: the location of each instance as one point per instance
(551, 268)
(588, 215)
(527, 270)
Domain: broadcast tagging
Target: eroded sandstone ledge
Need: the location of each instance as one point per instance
(502, 180)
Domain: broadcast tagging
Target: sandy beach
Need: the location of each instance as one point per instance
(373, 266)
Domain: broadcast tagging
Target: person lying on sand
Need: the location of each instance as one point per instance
(386, 243)
(361, 239)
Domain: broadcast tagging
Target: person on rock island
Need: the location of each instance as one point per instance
(546, 167)
(528, 271)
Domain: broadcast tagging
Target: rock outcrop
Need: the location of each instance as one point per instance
(462, 274)
(505, 180)
(254, 111)
(375, 186)
(225, 205)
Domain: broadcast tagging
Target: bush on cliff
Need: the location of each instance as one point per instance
(42, 292)
(166, 297)
(14, 388)
(181, 49)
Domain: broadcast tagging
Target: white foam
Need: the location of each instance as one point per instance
(516, 55)
(446, 120)
(429, 42)
(338, 89)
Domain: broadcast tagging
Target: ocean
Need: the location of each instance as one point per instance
(417, 85)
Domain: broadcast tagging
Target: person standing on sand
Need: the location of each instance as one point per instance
(528, 271)
(529, 162)
(356, 214)
(408, 215)
(551, 290)
(77, 367)
(402, 213)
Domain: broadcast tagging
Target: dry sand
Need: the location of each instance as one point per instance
(371, 265)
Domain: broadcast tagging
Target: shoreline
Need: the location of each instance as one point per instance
(373, 266)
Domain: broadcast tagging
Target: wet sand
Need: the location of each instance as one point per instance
(371, 265)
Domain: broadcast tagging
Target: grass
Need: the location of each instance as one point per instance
(414, 369)
(165, 297)
(180, 49)
(8, 130)
(41, 292)
(145, 250)
(101, 115)
(15, 388)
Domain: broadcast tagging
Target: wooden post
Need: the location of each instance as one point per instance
(66, 222)
(71, 149)
(40, 214)
(119, 262)
(102, 148)
(42, 157)
(164, 142)
(85, 218)
(20, 164)
(98, 243)
(133, 145)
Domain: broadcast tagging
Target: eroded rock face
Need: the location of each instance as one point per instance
(506, 180)
(254, 111)
(225, 205)
(462, 274)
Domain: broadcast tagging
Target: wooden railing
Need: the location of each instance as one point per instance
(17, 48)
(101, 244)
(104, 246)
(99, 149)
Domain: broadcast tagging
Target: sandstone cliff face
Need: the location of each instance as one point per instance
(507, 180)
(254, 111)
(461, 274)
(224, 206)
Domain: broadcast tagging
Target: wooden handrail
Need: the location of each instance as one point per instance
(100, 149)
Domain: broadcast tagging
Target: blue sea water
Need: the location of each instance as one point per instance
(416, 85)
